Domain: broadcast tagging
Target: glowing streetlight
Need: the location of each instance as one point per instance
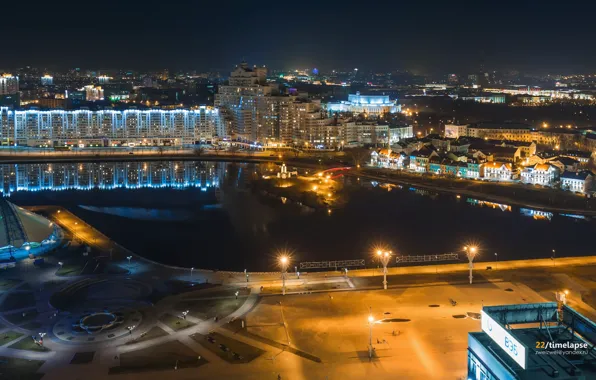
(184, 313)
(191, 269)
(283, 262)
(471, 252)
(384, 257)
(128, 258)
(41, 335)
(371, 320)
(236, 294)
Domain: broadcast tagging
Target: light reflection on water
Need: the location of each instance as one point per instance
(206, 214)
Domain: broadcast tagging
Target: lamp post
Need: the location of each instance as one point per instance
(191, 269)
(41, 335)
(283, 262)
(75, 229)
(184, 313)
(553, 257)
(497, 260)
(371, 320)
(471, 252)
(384, 257)
(128, 258)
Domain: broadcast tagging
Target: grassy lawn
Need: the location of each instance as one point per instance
(8, 283)
(82, 357)
(9, 336)
(28, 344)
(154, 332)
(162, 357)
(208, 309)
(175, 323)
(17, 301)
(230, 350)
(18, 318)
(22, 369)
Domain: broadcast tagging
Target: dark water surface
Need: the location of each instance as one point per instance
(213, 218)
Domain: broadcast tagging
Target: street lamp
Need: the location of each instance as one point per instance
(497, 259)
(384, 257)
(191, 269)
(371, 320)
(471, 252)
(553, 257)
(236, 294)
(283, 262)
(129, 257)
(184, 313)
(41, 335)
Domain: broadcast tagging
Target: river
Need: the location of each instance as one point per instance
(209, 215)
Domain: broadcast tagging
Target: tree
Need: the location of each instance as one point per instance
(358, 155)
(198, 151)
(234, 148)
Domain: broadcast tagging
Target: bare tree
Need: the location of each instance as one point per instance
(359, 155)
(198, 151)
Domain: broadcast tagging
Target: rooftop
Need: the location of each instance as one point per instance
(581, 175)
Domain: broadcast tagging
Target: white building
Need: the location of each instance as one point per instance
(92, 93)
(150, 127)
(579, 182)
(47, 80)
(499, 171)
(365, 133)
(540, 174)
(368, 104)
(103, 79)
(397, 134)
(9, 84)
(455, 131)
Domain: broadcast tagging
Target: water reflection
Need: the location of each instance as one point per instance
(494, 205)
(110, 175)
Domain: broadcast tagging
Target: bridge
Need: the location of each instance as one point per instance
(335, 172)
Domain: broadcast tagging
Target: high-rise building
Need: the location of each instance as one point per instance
(150, 127)
(47, 80)
(252, 109)
(9, 84)
(103, 79)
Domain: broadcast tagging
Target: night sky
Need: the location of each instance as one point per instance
(423, 36)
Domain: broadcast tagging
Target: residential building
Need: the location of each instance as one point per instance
(579, 182)
(500, 171)
(526, 148)
(454, 131)
(9, 84)
(400, 133)
(419, 159)
(365, 133)
(251, 108)
(540, 174)
(581, 156)
(475, 168)
(388, 159)
(565, 164)
(366, 104)
(175, 127)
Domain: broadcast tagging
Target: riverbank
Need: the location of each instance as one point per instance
(543, 199)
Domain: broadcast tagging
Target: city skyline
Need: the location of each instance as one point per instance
(447, 37)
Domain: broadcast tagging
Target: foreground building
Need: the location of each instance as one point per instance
(556, 344)
(109, 128)
(23, 233)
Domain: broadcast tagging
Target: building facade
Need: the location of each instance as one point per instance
(367, 104)
(578, 182)
(540, 174)
(171, 127)
(9, 84)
